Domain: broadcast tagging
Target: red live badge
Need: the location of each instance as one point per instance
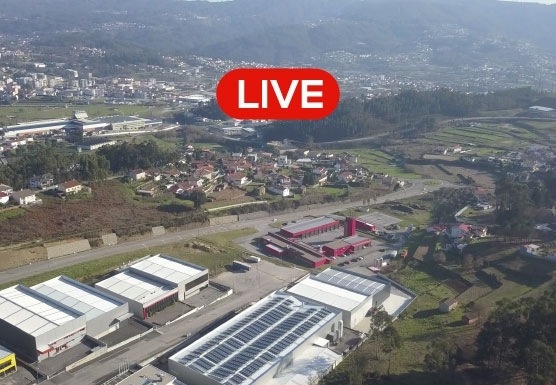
(278, 93)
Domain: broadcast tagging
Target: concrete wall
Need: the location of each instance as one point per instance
(189, 376)
(19, 342)
(158, 230)
(98, 326)
(223, 220)
(184, 293)
(110, 239)
(71, 331)
(67, 248)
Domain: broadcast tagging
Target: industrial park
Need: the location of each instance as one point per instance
(300, 326)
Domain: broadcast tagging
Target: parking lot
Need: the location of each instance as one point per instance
(379, 219)
(263, 277)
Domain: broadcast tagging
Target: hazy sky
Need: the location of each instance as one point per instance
(535, 1)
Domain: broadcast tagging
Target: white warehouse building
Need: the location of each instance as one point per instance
(263, 345)
(53, 316)
(36, 326)
(155, 283)
(351, 293)
(103, 312)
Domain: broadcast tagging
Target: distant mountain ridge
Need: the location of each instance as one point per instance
(286, 31)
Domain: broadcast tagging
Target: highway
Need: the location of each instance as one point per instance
(150, 244)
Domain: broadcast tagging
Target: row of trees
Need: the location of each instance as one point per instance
(65, 163)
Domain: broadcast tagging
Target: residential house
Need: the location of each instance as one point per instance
(137, 175)
(437, 229)
(530, 249)
(4, 198)
(459, 230)
(184, 189)
(41, 181)
(282, 180)
(345, 177)
(447, 305)
(206, 173)
(237, 179)
(24, 197)
(470, 318)
(282, 191)
(4, 188)
(70, 187)
(283, 161)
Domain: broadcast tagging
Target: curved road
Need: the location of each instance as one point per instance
(150, 244)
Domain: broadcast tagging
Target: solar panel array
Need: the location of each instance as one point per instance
(366, 286)
(258, 338)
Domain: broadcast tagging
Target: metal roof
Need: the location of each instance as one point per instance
(244, 348)
(275, 248)
(136, 287)
(168, 269)
(4, 352)
(337, 244)
(31, 313)
(309, 224)
(349, 281)
(322, 292)
(356, 239)
(149, 375)
(82, 298)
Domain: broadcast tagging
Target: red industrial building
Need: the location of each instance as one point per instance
(349, 244)
(282, 247)
(350, 227)
(309, 228)
(360, 225)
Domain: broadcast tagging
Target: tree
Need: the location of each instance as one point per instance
(198, 197)
(540, 363)
(309, 178)
(391, 341)
(380, 321)
(447, 202)
(442, 357)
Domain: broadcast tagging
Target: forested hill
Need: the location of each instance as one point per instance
(287, 31)
(410, 109)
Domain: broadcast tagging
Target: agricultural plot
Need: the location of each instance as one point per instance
(485, 139)
(379, 162)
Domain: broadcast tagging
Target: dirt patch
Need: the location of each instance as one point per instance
(10, 259)
(229, 194)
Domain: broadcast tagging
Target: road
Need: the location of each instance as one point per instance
(150, 244)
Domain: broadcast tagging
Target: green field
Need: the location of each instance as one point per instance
(484, 139)
(378, 161)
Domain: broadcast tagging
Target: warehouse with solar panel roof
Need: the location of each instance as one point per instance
(262, 344)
